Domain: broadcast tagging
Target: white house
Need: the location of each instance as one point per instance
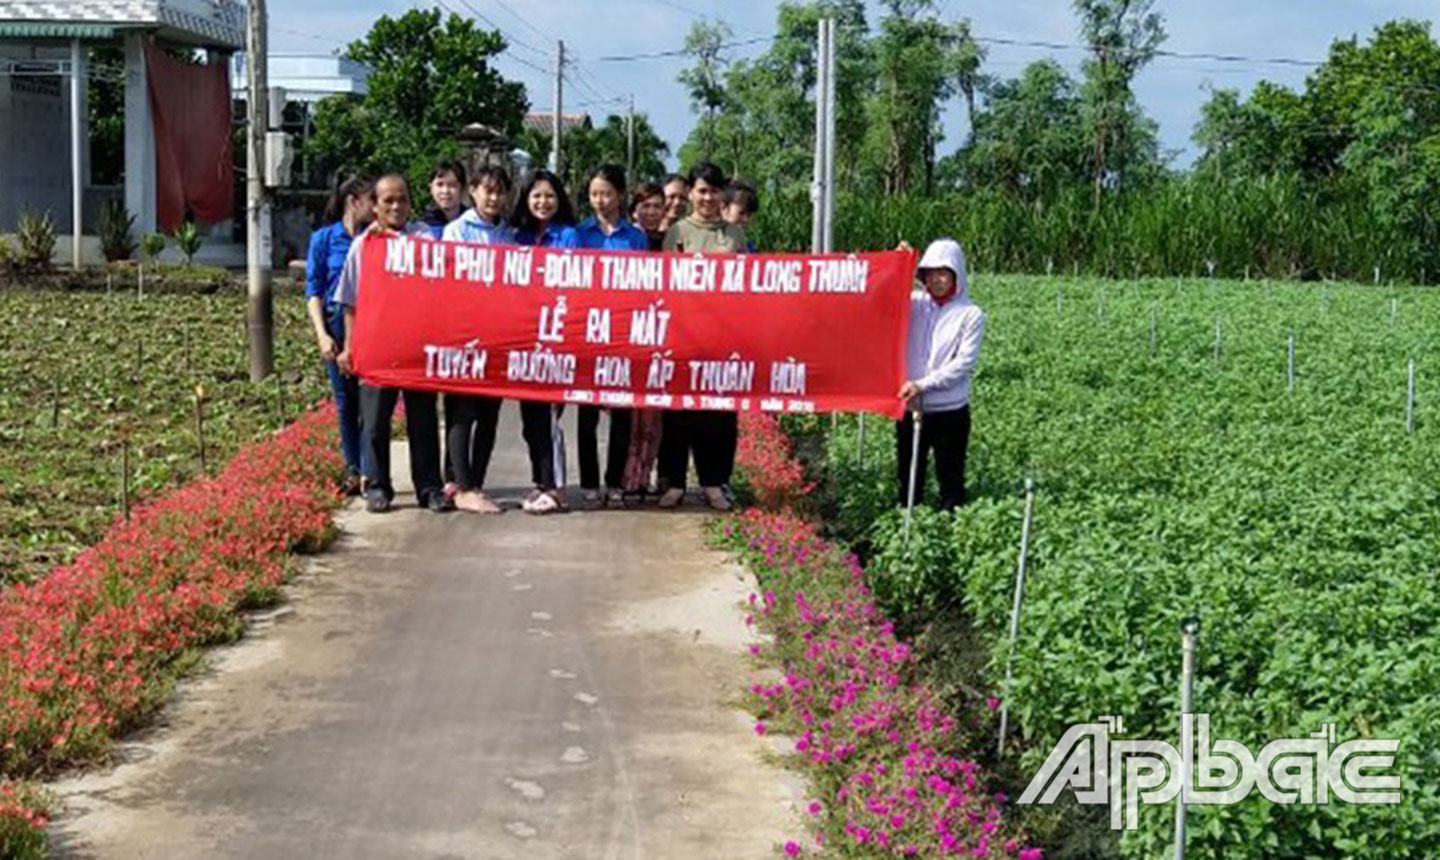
(44, 164)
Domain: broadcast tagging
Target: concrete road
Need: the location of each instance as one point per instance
(456, 686)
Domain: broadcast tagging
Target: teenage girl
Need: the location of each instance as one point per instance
(447, 196)
(543, 216)
(608, 229)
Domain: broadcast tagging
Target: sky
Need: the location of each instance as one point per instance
(1171, 89)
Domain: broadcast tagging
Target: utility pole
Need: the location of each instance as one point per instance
(828, 233)
(260, 312)
(817, 185)
(630, 141)
(555, 120)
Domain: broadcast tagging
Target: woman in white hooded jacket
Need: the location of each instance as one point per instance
(942, 349)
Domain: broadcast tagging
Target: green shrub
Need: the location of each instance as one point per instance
(153, 245)
(188, 240)
(116, 223)
(35, 241)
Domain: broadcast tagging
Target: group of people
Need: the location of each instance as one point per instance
(649, 452)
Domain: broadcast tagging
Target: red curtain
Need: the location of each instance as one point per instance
(194, 161)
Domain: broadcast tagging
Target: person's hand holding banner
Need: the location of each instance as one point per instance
(777, 333)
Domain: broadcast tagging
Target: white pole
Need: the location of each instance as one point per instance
(260, 307)
(860, 441)
(910, 492)
(1015, 615)
(1100, 306)
(1290, 364)
(828, 233)
(555, 118)
(1410, 398)
(1393, 309)
(1154, 334)
(77, 122)
(1217, 338)
(817, 183)
(1059, 300)
(1188, 631)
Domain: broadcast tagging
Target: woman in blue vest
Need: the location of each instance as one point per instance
(544, 217)
(606, 229)
(347, 213)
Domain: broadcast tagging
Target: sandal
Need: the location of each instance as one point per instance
(539, 502)
(487, 505)
(615, 499)
(593, 499)
(715, 497)
(672, 497)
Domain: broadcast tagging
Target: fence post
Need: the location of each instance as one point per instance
(1015, 614)
(1217, 337)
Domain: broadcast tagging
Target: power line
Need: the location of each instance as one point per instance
(509, 37)
(1178, 55)
(526, 21)
(626, 58)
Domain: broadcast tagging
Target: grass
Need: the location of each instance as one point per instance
(80, 372)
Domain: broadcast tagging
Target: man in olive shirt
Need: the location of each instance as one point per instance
(711, 435)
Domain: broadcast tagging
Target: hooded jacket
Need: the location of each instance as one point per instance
(944, 340)
(473, 228)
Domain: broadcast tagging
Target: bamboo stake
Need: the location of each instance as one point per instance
(200, 426)
(125, 478)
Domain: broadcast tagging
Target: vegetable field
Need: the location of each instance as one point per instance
(84, 376)
(1176, 477)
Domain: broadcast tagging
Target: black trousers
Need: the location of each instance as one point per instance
(546, 446)
(617, 449)
(948, 435)
(711, 436)
(470, 422)
(422, 427)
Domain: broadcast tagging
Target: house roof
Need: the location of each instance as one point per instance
(214, 23)
(545, 121)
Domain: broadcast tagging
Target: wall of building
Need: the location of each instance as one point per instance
(34, 148)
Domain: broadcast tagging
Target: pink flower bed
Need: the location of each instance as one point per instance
(883, 757)
(91, 647)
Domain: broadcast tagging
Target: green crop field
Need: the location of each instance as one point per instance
(1177, 479)
(82, 372)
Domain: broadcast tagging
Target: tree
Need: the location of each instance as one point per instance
(968, 56)
(428, 79)
(765, 129)
(913, 68)
(1030, 138)
(1123, 36)
(604, 144)
(706, 43)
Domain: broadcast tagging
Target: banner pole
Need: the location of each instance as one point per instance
(914, 471)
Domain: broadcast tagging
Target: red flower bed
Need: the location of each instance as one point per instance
(94, 645)
(882, 756)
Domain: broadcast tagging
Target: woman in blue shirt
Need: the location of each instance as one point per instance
(471, 419)
(606, 229)
(543, 217)
(352, 202)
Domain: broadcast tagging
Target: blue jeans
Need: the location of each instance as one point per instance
(347, 397)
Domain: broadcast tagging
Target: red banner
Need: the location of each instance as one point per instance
(774, 333)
